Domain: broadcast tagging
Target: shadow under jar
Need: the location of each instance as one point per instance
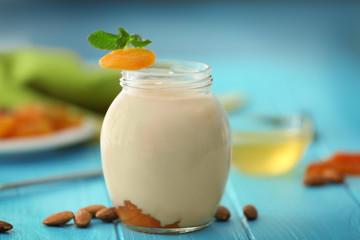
(166, 148)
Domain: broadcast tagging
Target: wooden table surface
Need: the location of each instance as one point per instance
(315, 69)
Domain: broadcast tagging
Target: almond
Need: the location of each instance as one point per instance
(4, 226)
(82, 218)
(250, 212)
(92, 209)
(58, 219)
(107, 214)
(222, 214)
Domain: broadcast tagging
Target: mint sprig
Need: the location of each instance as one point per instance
(109, 41)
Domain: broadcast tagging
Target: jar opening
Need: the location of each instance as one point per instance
(169, 75)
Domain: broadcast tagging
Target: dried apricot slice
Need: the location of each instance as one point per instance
(132, 215)
(37, 119)
(348, 158)
(333, 169)
(128, 59)
(7, 125)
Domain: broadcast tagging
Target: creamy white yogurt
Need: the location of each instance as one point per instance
(168, 154)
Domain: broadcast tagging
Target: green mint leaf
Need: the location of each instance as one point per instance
(136, 41)
(109, 41)
(106, 41)
(123, 33)
(124, 37)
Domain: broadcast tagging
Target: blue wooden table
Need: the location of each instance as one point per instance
(284, 58)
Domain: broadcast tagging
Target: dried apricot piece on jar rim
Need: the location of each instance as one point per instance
(123, 57)
(128, 59)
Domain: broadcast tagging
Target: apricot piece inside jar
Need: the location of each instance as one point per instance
(132, 215)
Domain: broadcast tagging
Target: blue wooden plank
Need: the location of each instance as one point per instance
(288, 210)
(333, 105)
(352, 183)
(15, 168)
(353, 186)
(26, 207)
(334, 98)
(31, 205)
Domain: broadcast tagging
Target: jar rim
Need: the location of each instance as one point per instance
(174, 68)
(169, 75)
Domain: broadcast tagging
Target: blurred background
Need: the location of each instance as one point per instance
(271, 57)
(282, 57)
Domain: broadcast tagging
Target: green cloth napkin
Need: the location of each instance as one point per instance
(47, 74)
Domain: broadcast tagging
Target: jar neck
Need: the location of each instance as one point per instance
(169, 76)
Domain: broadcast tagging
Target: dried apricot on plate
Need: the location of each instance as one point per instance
(128, 59)
(37, 119)
(7, 125)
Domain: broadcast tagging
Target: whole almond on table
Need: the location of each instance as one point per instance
(58, 219)
(82, 218)
(107, 214)
(4, 226)
(250, 212)
(222, 214)
(92, 209)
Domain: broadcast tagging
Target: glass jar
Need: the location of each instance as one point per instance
(269, 144)
(166, 148)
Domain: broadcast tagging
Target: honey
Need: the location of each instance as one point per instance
(270, 151)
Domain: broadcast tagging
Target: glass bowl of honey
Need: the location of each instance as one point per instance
(269, 145)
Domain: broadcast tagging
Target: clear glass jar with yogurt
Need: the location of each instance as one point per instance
(166, 148)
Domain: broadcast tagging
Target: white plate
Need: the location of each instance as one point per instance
(55, 140)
